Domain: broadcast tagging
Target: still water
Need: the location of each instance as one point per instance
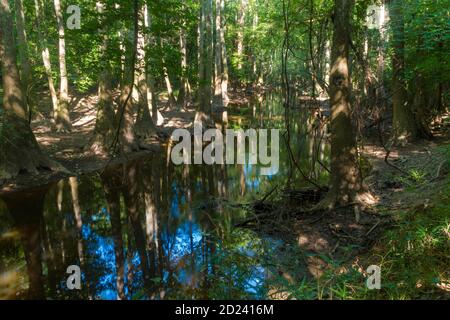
(151, 230)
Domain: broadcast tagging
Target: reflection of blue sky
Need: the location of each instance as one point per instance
(101, 250)
(181, 245)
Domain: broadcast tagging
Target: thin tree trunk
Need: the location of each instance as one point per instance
(152, 97)
(22, 42)
(217, 101)
(183, 96)
(240, 34)
(46, 58)
(62, 119)
(223, 46)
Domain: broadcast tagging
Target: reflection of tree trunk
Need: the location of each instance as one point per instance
(79, 226)
(26, 209)
(59, 203)
(49, 256)
(111, 187)
(131, 198)
(151, 222)
(242, 178)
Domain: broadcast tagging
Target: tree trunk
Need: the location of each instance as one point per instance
(403, 121)
(46, 58)
(104, 124)
(183, 96)
(22, 42)
(126, 132)
(152, 97)
(345, 180)
(111, 187)
(62, 118)
(145, 128)
(217, 101)
(240, 34)
(223, 46)
(20, 151)
(205, 63)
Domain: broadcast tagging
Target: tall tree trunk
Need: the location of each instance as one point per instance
(205, 63)
(183, 96)
(145, 128)
(152, 97)
(126, 136)
(217, 101)
(20, 150)
(104, 124)
(223, 47)
(46, 57)
(345, 180)
(170, 94)
(240, 34)
(22, 42)
(403, 121)
(62, 119)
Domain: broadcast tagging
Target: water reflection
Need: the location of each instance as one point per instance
(149, 230)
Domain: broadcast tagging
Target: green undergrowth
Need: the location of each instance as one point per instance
(413, 254)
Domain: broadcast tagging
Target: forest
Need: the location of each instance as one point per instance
(353, 202)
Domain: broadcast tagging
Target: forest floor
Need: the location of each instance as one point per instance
(406, 231)
(71, 149)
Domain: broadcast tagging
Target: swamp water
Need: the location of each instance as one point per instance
(152, 230)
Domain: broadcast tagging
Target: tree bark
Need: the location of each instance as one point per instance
(104, 124)
(205, 63)
(152, 97)
(20, 151)
(240, 34)
(345, 181)
(62, 119)
(46, 58)
(22, 42)
(404, 126)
